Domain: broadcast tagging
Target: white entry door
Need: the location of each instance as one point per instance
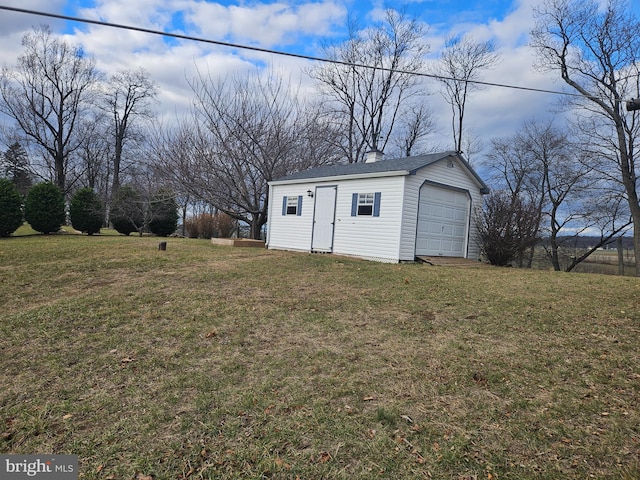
(324, 219)
(443, 220)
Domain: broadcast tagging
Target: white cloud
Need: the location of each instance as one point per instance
(493, 111)
(171, 62)
(13, 25)
(265, 25)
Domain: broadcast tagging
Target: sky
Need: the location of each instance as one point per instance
(298, 26)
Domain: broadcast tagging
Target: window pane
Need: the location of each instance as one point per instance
(292, 205)
(365, 209)
(365, 199)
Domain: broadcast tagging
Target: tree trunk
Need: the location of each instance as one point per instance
(629, 182)
(620, 257)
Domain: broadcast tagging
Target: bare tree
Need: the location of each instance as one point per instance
(94, 157)
(512, 169)
(461, 63)
(244, 133)
(47, 95)
(594, 48)
(127, 99)
(413, 127)
(569, 187)
(507, 225)
(541, 164)
(366, 102)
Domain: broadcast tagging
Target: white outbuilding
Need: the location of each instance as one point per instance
(386, 210)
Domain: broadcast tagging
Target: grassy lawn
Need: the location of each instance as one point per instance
(214, 362)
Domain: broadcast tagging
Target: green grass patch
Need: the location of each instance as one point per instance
(222, 363)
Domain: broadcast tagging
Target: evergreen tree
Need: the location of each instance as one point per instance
(44, 208)
(15, 167)
(86, 211)
(128, 211)
(10, 208)
(163, 214)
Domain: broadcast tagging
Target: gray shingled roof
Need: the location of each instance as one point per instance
(409, 164)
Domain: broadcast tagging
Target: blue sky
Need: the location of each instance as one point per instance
(295, 26)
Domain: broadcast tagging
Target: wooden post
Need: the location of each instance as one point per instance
(162, 246)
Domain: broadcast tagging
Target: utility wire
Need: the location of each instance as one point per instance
(281, 53)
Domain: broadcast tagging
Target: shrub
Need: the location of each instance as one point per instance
(127, 211)
(44, 208)
(10, 208)
(124, 226)
(207, 225)
(224, 225)
(201, 226)
(86, 211)
(506, 227)
(191, 227)
(163, 214)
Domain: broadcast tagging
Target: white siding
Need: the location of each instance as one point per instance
(290, 232)
(376, 238)
(370, 237)
(440, 173)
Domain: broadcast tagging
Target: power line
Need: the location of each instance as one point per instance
(278, 52)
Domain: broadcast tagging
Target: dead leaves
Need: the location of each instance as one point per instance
(211, 334)
(125, 360)
(282, 464)
(410, 448)
(324, 457)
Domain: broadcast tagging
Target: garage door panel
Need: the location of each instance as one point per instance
(448, 230)
(443, 216)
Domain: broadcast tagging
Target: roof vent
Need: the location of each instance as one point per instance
(373, 155)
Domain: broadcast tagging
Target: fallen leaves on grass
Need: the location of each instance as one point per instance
(324, 457)
(413, 450)
(282, 464)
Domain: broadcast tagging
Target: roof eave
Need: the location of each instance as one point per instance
(357, 176)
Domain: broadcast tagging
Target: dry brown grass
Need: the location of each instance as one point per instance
(213, 362)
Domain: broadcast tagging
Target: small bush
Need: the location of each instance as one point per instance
(10, 208)
(506, 227)
(201, 226)
(224, 225)
(86, 211)
(44, 208)
(207, 225)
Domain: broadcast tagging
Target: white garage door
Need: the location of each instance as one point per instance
(443, 220)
